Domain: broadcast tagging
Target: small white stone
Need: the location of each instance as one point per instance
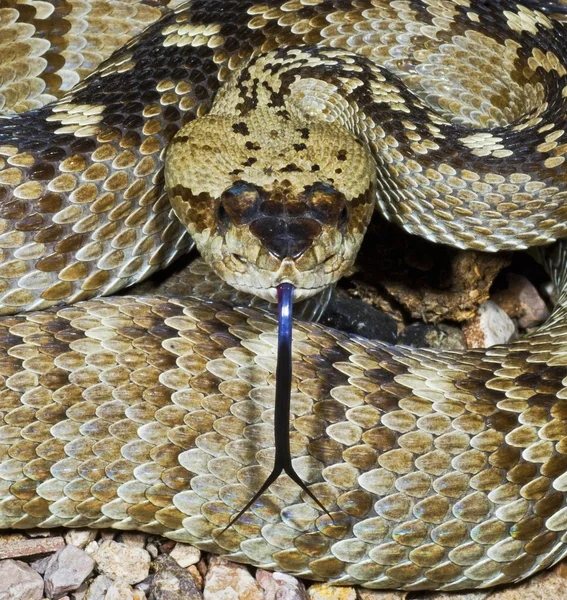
(80, 537)
(491, 326)
(229, 581)
(91, 547)
(134, 539)
(120, 590)
(127, 563)
(185, 555)
(280, 586)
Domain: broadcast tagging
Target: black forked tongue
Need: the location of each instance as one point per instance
(282, 461)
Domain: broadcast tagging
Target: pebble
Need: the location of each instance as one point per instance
(133, 539)
(355, 316)
(127, 563)
(80, 537)
(280, 586)
(97, 589)
(172, 582)
(120, 590)
(16, 545)
(522, 301)
(229, 581)
(490, 326)
(18, 581)
(185, 555)
(324, 591)
(152, 549)
(66, 570)
(387, 595)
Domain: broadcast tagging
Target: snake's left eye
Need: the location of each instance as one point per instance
(327, 204)
(238, 204)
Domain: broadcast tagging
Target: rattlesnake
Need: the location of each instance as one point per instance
(439, 470)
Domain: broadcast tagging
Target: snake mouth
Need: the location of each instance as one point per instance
(239, 258)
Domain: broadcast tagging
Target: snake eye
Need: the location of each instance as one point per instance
(238, 204)
(327, 204)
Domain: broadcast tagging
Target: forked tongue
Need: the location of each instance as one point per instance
(282, 460)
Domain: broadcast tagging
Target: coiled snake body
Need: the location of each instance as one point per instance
(439, 470)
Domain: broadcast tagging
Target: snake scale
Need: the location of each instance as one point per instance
(439, 470)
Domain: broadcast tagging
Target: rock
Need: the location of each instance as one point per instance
(197, 576)
(79, 594)
(16, 545)
(229, 581)
(41, 564)
(80, 537)
(133, 539)
(18, 581)
(431, 282)
(145, 584)
(443, 337)
(491, 326)
(522, 301)
(92, 547)
(280, 586)
(172, 582)
(185, 555)
(354, 316)
(387, 595)
(66, 571)
(324, 591)
(127, 563)
(120, 590)
(97, 589)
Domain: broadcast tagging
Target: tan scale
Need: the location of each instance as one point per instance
(440, 470)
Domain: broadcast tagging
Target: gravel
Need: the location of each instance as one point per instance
(71, 574)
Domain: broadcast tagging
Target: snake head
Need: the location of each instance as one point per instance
(268, 200)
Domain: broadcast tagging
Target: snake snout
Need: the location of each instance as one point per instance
(286, 238)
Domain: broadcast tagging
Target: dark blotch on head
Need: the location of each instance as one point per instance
(292, 167)
(239, 203)
(241, 128)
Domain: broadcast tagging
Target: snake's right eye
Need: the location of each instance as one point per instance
(238, 204)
